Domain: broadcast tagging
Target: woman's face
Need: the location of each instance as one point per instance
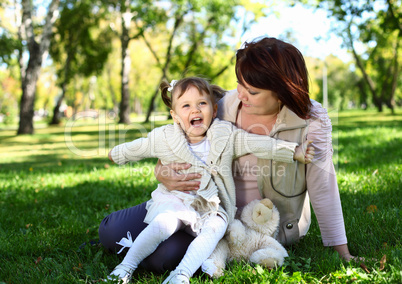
(257, 101)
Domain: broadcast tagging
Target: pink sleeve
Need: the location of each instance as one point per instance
(321, 180)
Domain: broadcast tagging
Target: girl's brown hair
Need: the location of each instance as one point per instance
(182, 86)
(274, 65)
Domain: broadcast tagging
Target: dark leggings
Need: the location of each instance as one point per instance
(168, 254)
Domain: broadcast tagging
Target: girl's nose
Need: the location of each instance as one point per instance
(195, 109)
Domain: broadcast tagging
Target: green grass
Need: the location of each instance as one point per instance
(57, 185)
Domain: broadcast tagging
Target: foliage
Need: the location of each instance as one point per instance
(87, 37)
(80, 38)
(372, 31)
(8, 46)
(9, 93)
(57, 185)
(342, 82)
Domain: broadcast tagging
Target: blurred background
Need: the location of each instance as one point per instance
(67, 59)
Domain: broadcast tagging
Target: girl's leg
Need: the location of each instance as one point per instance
(201, 247)
(162, 227)
(168, 254)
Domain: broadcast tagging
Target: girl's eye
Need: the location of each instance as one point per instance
(203, 103)
(185, 106)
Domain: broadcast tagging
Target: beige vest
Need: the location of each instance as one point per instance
(283, 183)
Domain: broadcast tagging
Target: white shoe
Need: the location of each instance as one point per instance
(177, 277)
(121, 273)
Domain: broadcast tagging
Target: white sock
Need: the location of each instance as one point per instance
(162, 227)
(203, 245)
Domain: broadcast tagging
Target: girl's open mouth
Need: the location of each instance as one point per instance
(196, 121)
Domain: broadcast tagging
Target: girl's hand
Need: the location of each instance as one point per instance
(110, 156)
(304, 153)
(170, 177)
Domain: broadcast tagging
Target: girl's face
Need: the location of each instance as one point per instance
(257, 101)
(194, 112)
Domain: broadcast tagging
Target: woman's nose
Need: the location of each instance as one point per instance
(242, 93)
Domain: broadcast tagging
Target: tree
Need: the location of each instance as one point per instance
(195, 34)
(376, 26)
(80, 45)
(341, 81)
(135, 17)
(37, 39)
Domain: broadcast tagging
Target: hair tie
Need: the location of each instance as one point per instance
(172, 85)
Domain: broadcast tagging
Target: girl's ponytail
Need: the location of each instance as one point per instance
(217, 92)
(166, 95)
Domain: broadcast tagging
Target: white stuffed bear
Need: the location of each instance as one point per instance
(252, 238)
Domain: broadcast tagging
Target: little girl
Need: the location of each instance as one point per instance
(210, 145)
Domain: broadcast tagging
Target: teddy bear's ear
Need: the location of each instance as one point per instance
(261, 213)
(267, 202)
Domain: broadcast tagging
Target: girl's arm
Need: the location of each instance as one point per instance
(266, 147)
(110, 156)
(138, 149)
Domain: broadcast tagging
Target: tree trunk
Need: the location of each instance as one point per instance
(56, 110)
(111, 90)
(28, 92)
(36, 52)
(152, 102)
(125, 67)
(391, 101)
(363, 94)
(168, 56)
(376, 98)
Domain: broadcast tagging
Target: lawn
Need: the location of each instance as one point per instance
(57, 185)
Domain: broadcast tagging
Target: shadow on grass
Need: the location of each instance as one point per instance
(52, 224)
(57, 210)
(53, 163)
(346, 124)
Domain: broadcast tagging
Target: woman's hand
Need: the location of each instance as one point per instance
(169, 176)
(304, 153)
(344, 253)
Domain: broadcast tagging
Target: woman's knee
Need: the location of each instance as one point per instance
(116, 225)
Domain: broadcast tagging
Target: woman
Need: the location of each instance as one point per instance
(272, 98)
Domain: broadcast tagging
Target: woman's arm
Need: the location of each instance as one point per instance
(323, 187)
(170, 176)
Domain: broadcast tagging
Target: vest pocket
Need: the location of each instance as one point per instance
(288, 180)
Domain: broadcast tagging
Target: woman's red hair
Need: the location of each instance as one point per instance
(274, 65)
